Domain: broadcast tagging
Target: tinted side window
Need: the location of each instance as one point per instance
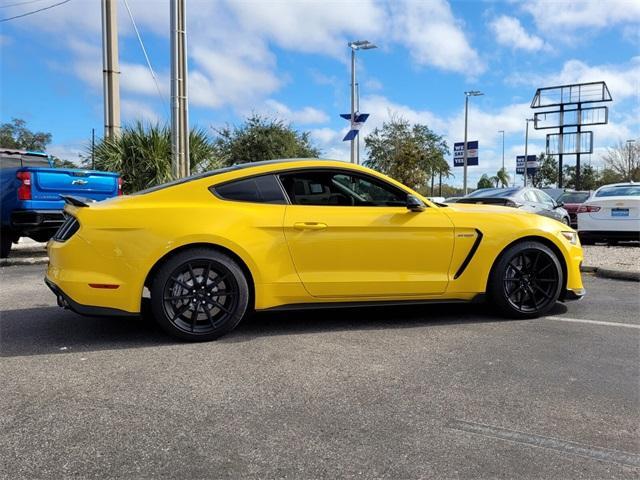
(341, 189)
(264, 189)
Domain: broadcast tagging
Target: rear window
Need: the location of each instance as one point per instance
(262, 189)
(621, 191)
(573, 197)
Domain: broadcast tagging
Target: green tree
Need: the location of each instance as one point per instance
(589, 179)
(15, 134)
(547, 173)
(142, 155)
(410, 154)
(485, 181)
(502, 178)
(260, 138)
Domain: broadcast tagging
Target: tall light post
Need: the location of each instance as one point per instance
(110, 69)
(502, 132)
(472, 93)
(526, 149)
(629, 143)
(356, 45)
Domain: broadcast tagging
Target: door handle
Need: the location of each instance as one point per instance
(309, 226)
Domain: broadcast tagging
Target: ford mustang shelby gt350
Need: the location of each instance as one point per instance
(205, 251)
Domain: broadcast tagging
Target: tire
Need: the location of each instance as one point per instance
(6, 241)
(566, 221)
(526, 280)
(180, 283)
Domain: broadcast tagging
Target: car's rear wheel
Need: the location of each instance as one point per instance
(526, 280)
(199, 294)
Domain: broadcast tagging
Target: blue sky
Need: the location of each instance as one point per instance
(289, 59)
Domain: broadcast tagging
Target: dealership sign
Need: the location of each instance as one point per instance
(532, 164)
(472, 153)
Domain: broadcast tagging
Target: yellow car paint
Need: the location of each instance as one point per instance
(295, 254)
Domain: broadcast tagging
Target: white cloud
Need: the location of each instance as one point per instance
(509, 32)
(434, 36)
(559, 18)
(306, 115)
(133, 110)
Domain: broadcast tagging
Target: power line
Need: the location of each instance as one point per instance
(18, 4)
(144, 51)
(35, 11)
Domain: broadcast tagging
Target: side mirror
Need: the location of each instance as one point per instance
(558, 204)
(415, 204)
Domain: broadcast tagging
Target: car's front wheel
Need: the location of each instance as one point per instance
(199, 294)
(526, 280)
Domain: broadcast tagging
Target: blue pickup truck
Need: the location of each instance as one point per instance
(32, 191)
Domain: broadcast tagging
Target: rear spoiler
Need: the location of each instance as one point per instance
(506, 202)
(77, 201)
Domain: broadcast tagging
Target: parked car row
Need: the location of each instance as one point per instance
(608, 214)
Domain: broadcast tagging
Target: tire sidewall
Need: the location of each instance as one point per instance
(162, 276)
(496, 290)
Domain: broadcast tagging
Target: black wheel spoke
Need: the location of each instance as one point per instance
(209, 317)
(193, 275)
(516, 268)
(219, 279)
(223, 293)
(194, 317)
(179, 297)
(544, 268)
(220, 306)
(182, 284)
(180, 311)
(535, 263)
(205, 275)
(542, 291)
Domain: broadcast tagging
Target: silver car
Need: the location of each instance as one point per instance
(530, 199)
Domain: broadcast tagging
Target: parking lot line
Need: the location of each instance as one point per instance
(594, 322)
(597, 453)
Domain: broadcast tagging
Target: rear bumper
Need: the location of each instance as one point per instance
(65, 301)
(28, 221)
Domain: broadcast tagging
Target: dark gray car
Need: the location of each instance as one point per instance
(530, 199)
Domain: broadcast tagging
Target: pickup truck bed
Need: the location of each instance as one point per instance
(31, 203)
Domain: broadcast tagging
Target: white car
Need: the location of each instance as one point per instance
(612, 213)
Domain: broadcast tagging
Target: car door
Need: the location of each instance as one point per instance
(351, 235)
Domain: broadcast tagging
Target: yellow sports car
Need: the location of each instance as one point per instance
(207, 250)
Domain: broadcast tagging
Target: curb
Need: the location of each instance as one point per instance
(629, 276)
(13, 262)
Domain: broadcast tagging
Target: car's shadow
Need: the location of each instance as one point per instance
(49, 330)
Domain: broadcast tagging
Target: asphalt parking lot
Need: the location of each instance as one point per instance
(415, 392)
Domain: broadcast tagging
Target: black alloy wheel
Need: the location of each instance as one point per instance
(527, 280)
(199, 295)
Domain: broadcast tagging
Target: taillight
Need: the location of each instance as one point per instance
(119, 185)
(24, 190)
(587, 209)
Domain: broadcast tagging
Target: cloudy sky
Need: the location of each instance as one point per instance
(289, 59)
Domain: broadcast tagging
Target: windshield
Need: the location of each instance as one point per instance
(494, 192)
(619, 191)
(573, 197)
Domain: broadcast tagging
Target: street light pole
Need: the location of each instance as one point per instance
(502, 132)
(356, 45)
(179, 106)
(526, 149)
(629, 142)
(110, 69)
(472, 93)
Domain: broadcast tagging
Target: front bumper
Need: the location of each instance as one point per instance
(66, 302)
(570, 295)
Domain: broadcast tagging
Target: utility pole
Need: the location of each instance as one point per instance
(110, 68)
(472, 93)
(179, 109)
(93, 149)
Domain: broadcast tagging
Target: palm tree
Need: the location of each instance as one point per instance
(502, 177)
(142, 155)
